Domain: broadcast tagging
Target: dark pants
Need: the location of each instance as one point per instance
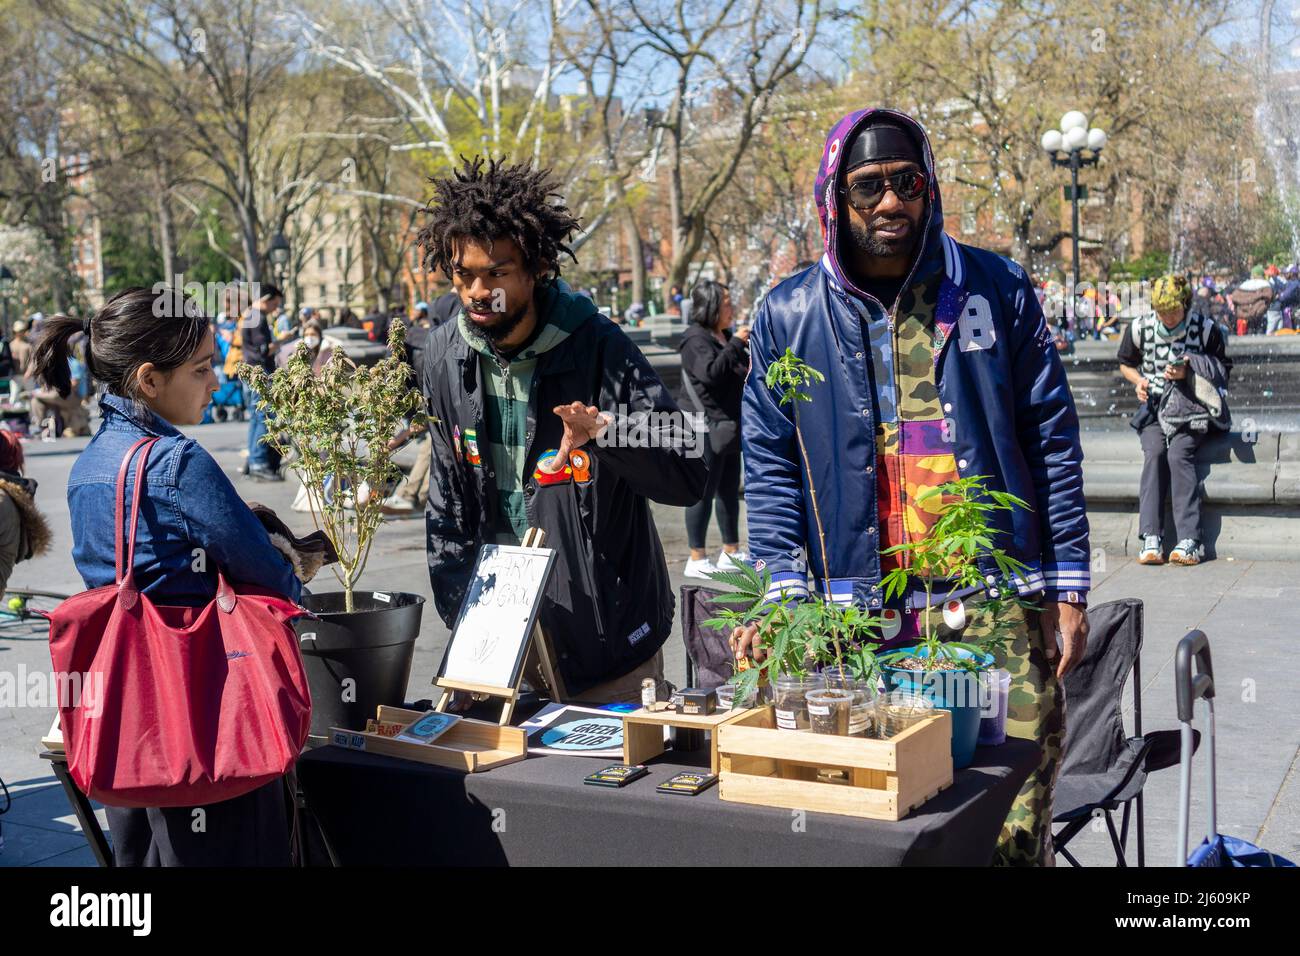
(723, 486)
(1169, 469)
(252, 830)
(259, 454)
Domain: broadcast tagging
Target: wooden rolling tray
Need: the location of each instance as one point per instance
(643, 732)
(887, 779)
(471, 746)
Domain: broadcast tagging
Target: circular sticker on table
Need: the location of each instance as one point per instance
(589, 733)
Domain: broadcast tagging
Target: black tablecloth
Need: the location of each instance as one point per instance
(378, 810)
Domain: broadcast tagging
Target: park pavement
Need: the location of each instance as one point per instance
(1249, 609)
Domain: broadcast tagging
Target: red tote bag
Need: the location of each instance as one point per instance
(178, 706)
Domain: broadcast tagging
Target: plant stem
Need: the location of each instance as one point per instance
(821, 533)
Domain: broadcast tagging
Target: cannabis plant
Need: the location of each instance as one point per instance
(947, 553)
(340, 422)
(797, 636)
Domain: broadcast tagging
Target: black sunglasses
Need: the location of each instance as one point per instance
(865, 194)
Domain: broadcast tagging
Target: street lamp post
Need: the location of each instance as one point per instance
(1072, 139)
(278, 252)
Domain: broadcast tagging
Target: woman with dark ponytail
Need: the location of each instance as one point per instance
(715, 360)
(152, 352)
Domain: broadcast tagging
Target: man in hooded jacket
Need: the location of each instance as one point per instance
(938, 364)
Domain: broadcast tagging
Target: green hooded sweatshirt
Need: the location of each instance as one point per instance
(506, 390)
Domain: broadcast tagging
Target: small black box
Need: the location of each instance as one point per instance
(698, 702)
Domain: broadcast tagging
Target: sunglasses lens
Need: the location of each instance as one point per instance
(866, 193)
(910, 186)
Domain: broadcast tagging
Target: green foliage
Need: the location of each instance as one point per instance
(1152, 265)
(340, 422)
(130, 257)
(797, 636)
(948, 552)
(791, 374)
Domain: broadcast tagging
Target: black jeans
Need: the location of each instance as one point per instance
(723, 485)
(1169, 469)
(252, 830)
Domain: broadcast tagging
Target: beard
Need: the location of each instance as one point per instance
(501, 327)
(866, 237)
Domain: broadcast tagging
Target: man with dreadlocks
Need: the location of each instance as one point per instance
(516, 384)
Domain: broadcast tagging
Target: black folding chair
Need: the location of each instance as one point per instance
(1103, 769)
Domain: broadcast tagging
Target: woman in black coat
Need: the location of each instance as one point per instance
(714, 364)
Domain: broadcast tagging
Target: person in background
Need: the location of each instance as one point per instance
(1273, 317)
(714, 363)
(1288, 300)
(348, 319)
(1250, 302)
(313, 338)
(20, 348)
(259, 348)
(1153, 353)
(54, 413)
(24, 532)
(285, 326)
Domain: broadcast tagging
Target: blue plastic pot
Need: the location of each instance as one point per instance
(957, 692)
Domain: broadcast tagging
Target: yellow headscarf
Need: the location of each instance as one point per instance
(1171, 292)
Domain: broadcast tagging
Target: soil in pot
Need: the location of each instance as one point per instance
(828, 711)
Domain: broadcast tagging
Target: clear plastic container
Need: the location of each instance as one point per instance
(898, 710)
(790, 697)
(828, 710)
(727, 698)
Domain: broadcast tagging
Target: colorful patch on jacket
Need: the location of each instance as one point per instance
(580, 462)
(560, 477)
(471, 448)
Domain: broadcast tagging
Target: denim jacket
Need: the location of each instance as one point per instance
(192, 520)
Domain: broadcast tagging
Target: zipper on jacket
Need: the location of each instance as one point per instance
(904, 559)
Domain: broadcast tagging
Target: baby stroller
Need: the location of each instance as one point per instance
(228, 401)
(1215, 850)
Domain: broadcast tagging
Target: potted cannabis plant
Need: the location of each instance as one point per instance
(943, 666)
(800, 639)
(813, 647)
(338, 422)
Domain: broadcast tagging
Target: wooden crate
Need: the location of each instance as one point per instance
(643, 732)
(471, 746)
(887, 778)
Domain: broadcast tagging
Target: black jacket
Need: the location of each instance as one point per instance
(609, 603)
(256, 339)
(716, 371)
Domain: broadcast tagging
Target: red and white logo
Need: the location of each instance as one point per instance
(891, 623)
(954, 614)
(832, 154)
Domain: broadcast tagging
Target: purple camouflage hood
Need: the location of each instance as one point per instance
(828, 210)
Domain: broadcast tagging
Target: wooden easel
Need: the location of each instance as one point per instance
(539, 652)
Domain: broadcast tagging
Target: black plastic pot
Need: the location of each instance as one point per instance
(359, 659)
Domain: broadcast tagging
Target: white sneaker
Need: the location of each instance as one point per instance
(397, 505)
(732, 562)
(699, 569)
